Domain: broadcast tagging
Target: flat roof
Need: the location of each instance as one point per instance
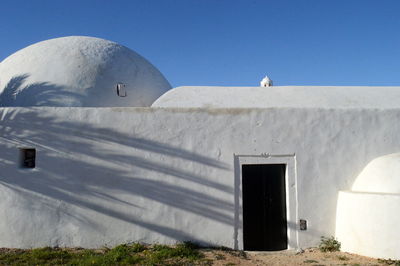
(281, 96)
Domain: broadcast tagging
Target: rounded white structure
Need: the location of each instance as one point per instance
(381, 175)
(79, 71)
(367, 217)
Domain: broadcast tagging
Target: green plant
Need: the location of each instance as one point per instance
(329, 244)
(137, 247)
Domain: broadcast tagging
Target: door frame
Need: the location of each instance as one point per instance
(291, 194)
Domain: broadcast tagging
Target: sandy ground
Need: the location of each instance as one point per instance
(310, 257)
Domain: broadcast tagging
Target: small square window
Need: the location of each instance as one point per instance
(27, 158)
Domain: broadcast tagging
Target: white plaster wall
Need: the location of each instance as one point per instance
(110, 175)
(368, 224)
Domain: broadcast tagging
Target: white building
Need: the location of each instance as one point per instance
(97, 149)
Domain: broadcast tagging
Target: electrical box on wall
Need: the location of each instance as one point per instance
(303, 225)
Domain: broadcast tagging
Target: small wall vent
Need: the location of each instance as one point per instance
(27, 157)
(121, 91)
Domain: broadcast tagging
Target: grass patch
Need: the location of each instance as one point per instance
(181, 254)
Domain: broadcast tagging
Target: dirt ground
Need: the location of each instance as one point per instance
(310, 257)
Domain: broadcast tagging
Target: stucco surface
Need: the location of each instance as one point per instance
(111, 175)
(367, 216)
(78, 71)
(381, 175)
(281, 96)
(368, 224)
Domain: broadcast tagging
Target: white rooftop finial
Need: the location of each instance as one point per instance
(266, 82)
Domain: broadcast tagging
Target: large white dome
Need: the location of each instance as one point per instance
(79, 71)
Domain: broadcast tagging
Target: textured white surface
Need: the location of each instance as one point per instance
(381, 175)
(367, 217)
(368, 224)
(111, 175)
(281, 96)
(78, 71)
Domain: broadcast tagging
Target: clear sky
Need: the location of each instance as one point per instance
(228, 42)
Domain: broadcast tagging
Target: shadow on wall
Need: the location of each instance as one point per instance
(103, 170)
(16, 93)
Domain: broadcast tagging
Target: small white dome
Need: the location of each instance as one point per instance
(79, 71)
(266, 82)
(366, 217)
(381, 175)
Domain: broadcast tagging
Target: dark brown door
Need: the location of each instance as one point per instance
(264, 207)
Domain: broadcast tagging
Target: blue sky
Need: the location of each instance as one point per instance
(228, 42)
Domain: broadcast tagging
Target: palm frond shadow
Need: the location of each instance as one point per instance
(109, 179)
(16, 93)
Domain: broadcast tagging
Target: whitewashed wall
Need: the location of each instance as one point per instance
(111, 175)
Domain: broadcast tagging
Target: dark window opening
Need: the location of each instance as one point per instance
(27, 158)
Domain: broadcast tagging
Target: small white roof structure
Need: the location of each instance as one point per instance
(79, 71)
(266, 82)
(281, 96)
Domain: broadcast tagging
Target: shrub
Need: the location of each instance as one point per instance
(329, 244)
